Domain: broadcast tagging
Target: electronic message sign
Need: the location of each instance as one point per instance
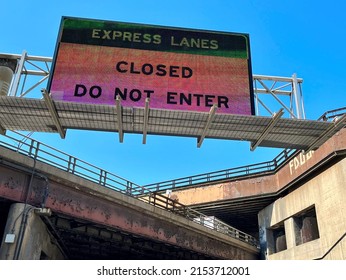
(178, 69)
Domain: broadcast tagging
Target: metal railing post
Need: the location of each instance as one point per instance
(129, 187)
(31, 147)
(37, 149)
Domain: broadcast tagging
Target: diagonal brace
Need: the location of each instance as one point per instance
(52, 110)
(336, 125)
(211, 115)
(268, 129)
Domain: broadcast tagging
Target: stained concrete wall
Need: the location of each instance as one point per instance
(79, 198)
(326, 192)
(35, 243)
(264, 184)
(227, 190)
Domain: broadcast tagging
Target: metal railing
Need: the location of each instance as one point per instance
(49, 155)
(211, 222)
(219, 176)
(44, 153)
(332, 114)
(236, 172)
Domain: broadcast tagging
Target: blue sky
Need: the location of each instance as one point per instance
(286, 37)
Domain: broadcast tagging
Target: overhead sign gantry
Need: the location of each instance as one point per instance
(131, 78)
(176, 69)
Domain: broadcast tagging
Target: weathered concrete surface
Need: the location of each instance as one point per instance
(36, 242)
(228, 190)
(326, 193)
(83, 199)
(285, 177)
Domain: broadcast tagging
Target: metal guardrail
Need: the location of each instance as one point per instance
(49, 155)
(218, 176)
(44, 153)
(234, 173)
(332, 114)
(211, 222)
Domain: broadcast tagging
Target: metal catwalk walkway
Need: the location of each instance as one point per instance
(46, 115)
(19, 112)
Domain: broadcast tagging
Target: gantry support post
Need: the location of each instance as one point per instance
(51, 108)
(119, 110)
(207, 125)
(146, 119)
(268, 129)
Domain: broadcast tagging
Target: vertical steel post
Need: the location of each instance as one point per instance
(18, 74)
(297, 97)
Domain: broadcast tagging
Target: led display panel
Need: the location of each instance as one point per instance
(177, 69)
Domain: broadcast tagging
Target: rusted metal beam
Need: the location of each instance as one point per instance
(104, 207)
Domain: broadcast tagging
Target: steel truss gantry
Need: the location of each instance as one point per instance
(284, 92)
(277, 88)
(38, 112)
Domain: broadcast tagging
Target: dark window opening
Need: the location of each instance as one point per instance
(305, 226)
(279, 239)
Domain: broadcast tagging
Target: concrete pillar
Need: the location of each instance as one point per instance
(266, 238)
(26, 236)
(290, 233)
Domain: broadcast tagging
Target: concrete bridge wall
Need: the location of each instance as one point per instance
(268, 184)
(71, 195)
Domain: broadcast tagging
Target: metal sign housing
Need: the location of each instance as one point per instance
(177, 69)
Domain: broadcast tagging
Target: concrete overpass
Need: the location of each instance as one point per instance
(90, 213)
(56, 206)
(237, 195)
